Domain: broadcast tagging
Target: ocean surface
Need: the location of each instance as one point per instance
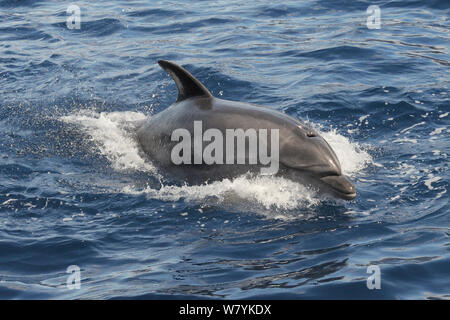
(75, 189)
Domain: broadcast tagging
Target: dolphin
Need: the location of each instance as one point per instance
(304, 156)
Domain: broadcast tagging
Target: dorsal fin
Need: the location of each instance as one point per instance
(188, 85)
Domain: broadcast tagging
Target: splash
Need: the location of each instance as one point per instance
(112, 133)
(269, 192)
(352, 156)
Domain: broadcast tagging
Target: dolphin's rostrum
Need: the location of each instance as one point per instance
(304, 156)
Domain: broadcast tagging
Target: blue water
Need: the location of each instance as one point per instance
(76, 190)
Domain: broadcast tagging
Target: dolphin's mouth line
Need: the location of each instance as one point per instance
(340, 185)
(336, 184)
(346, 196)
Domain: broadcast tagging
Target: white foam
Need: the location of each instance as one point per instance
(436, 152)
(110, 132)
(361, 119)
(414, 141)
(437, 131)
(269, 192)
(430, 180)
(413, 126)
(8, 202)
(351, 155)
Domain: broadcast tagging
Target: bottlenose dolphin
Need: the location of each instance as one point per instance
(304, 156)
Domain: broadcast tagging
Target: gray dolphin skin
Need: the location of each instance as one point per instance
(304, 156)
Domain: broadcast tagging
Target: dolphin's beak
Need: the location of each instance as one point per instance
(341, 186)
